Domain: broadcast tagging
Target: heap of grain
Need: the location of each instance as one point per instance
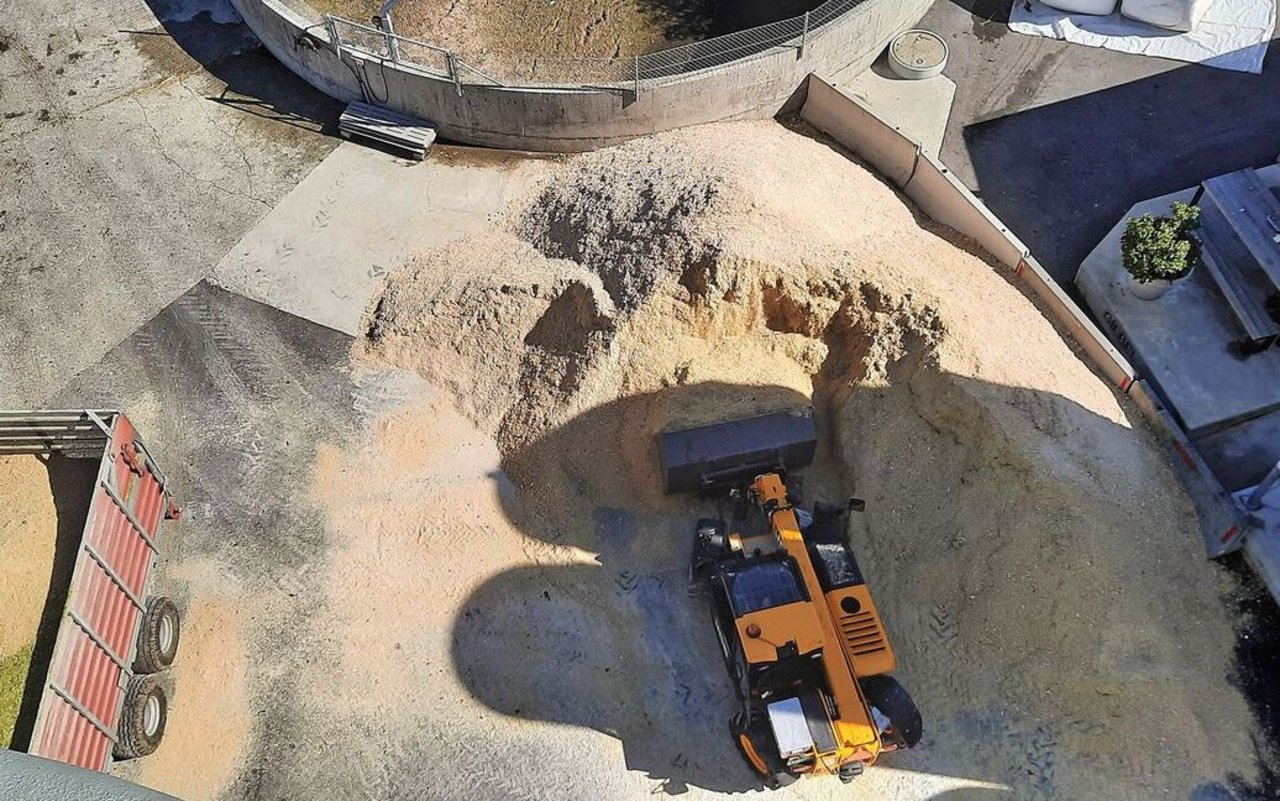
(1033, 554)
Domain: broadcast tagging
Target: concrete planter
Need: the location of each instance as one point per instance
(1148, 290)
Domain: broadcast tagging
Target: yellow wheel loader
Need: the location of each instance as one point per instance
(804, 645)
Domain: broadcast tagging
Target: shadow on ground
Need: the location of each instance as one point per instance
(625, 645)
(211, 33)
(1061, 175)
(1258, 667)
(987, 10)
(689, 20)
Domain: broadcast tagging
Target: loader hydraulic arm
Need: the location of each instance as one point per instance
(853, 726)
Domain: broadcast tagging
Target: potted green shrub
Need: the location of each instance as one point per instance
(1157, 251)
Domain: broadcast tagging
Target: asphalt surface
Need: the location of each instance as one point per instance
(137, 145)
(233, 396)
(1060, 140)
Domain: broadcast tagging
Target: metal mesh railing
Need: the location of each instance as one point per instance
(539, 70)
(423, 56)
(359, 38)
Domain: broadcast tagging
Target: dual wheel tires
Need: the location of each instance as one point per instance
(145, 710)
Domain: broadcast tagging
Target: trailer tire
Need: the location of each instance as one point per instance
(157, 636)
(143, 716)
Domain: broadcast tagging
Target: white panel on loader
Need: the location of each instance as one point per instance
(789, 727)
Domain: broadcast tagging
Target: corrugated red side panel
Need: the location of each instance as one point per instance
(68, 737)
(86, 676)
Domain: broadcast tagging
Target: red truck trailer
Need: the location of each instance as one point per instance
(93, 687)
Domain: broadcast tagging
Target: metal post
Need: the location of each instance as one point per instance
(393, 45)
(804, 35)
(453, 70)
(334, 39)
(384, 16)
(637, 77)
(1254, 502)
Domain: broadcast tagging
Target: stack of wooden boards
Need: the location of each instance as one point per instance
(392, 128)
(1240, 222)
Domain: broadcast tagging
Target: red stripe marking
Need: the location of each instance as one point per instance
(1186, 457)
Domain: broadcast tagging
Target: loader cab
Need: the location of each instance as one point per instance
(770, 631)
(772, 643)
(758, 584)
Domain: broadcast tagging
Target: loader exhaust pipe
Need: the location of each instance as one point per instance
(732, 453)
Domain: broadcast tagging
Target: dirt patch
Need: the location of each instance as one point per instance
(163, 56)
(374, 499)
(28, 536)
(487, 157)
(415, 511)
(1033, 553)
(203, 749)
(536, 39)
(581, 28)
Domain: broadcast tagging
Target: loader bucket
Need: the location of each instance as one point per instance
(732, 453)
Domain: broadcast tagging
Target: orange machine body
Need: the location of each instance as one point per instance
(842, 625)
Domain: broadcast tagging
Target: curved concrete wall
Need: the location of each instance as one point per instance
(576, 119)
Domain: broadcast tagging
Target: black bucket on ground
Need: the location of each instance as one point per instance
(734, 452)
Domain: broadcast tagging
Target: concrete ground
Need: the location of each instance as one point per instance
(918, 109)
(1059, 140)
(320, 253)
(129, 168)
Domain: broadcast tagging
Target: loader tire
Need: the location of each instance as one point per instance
(157, 636)
(888, 696)
(143, 716)
(735, 659)
(756, 745)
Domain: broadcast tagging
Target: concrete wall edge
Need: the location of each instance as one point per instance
(1064, 310)
(576, 118)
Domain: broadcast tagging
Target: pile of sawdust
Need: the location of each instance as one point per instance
(1032, 552)
(28, 534)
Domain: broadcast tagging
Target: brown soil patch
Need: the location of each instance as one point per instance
(567, 40)
(28, 536)
(210, 719)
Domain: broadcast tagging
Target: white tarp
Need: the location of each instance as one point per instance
(1233, 34)
(1177, 15)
